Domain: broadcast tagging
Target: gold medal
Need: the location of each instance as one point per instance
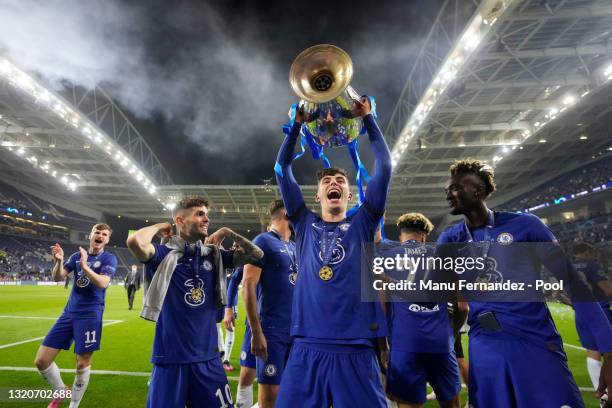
(196, 294)
(326, 273)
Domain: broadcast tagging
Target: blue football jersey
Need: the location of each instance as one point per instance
(418, 327)
(85, 296)
(594, 273)
(529, 320)
(186, 330)
(277, 280)
(331, 309)
(232, 287)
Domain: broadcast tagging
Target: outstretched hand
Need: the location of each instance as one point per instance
(300, 115)
(362, 107)
(57, 252)
(84, 255)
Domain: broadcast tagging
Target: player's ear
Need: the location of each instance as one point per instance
(178, 220)
(350, 196)
(317, 198)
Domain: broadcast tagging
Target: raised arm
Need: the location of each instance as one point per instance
(376, 193)
(289, 188)
(247, 252)
(140, 244)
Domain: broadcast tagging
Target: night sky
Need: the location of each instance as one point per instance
(206, 83)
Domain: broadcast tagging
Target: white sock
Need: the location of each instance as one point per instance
(229, 344)
(80, 385)
(219, 337)
(244, 396)
(52, 375)
(594, 368)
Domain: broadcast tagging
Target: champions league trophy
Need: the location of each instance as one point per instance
(320, 76)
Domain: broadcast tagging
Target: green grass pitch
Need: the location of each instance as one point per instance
(126, 347)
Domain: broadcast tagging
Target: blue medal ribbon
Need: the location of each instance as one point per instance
(318, 153)
(327, 246)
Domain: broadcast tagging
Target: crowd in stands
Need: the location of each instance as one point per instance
(18, 226)
(24, 259)
(583, 179)
(21, 204)
(28, 259)
(596, 231)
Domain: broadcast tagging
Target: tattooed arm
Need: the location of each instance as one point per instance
(247, 252)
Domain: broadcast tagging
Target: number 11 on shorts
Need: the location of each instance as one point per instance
(90, 337)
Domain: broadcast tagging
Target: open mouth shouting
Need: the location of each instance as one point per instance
(334, 195)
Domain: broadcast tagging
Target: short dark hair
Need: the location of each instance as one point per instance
(332, 171)
(274, 207)
(190, 202)
(478, 168)
(414, 222)
(582, 247)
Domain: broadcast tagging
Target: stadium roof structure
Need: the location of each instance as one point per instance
(524, 86)
(521, 84)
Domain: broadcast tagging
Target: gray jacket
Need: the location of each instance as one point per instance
(157, 287)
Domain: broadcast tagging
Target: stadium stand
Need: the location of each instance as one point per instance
(29, 226)
(16, 202)
(586, 178)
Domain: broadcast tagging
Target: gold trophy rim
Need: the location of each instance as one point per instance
(340, 68)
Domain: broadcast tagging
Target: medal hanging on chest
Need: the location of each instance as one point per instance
(293, 267)
(196, 293)
(328, 243)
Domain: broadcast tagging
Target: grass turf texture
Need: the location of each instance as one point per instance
(126, 346)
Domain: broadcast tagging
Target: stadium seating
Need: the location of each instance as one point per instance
(583, 179)
(16, 202)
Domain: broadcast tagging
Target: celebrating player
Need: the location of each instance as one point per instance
(269, 311)
(332, 360)
(421, 338)
(244, 394)
(514, 343)
(186, 290)
(81, 320)
(596, 276)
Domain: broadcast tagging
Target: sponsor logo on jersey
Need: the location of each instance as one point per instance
(82, 281)
(338, 253)
(490, 273)
(195, 294)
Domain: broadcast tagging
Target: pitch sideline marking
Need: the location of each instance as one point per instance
(3, 346)
(574, 347)
(104, 372)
